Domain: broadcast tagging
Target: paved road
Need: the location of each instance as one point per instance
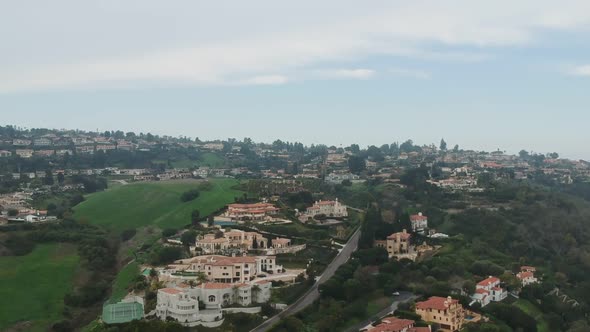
(403, 297)
(310, 296)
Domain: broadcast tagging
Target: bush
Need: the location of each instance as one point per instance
(189, 195)
(168, 232)
(128, 234)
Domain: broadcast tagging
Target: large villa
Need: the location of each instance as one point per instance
(251, 212)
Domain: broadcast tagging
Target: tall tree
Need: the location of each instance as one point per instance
(195, 217)
(443, 144)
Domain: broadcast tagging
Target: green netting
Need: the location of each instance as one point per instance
(121, 312)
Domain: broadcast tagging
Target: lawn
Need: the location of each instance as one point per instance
(534, 312)
(34, 285)
(123, 281)
(153, 203)
(211, 160)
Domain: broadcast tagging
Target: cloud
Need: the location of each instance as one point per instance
(203, 45)
(580, 71)
(266, 80)
(413, 73)
(358, 74)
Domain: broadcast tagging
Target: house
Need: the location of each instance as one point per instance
(44, 153)
(446, 312)
(419, 222)
(281, 243)
(396, 244)
(105, 147)
(213, 146)
(223, 269)
(5, 153)
(183, 307)
(257, 211)
(42, 141)
(24, 153)
(85, 149)
(489, 290)
(333, 209)
(209, 243)
(526, 276)
(394, 324)
(21, 142)
(338, 178)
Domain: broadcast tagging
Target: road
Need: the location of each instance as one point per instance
(403, 297)
(313, 294)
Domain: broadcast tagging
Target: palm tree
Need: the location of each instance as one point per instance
(201, 277)
(192, 283)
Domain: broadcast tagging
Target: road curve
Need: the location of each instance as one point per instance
(313, 294)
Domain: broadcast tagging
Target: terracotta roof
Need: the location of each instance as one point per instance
(216, 285)
(481, 291)
(393, 324)
(524, 275)
(402, 235)
(489, 281)
(417, 217)
(171, 291)
(435, 302)
(528, 268)
(419, 329)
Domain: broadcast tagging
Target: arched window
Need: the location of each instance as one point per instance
(211, 298)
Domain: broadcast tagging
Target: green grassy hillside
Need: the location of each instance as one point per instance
(154, 203)
(34, 286)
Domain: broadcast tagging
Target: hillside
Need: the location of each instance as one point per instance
(153, 203)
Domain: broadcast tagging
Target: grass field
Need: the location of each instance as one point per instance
(534, 312)
(33, 286)
(123, 280)
(152, 203)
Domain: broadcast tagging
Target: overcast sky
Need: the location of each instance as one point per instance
(482, 74)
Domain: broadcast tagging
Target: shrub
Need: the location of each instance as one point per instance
(189, 195)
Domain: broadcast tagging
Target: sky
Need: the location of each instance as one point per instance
(486, 75)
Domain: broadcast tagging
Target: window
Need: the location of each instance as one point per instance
(211, 298)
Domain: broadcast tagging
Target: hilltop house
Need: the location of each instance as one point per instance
(489, 290)
(223, 269)
(209, 243)
(257, 211)
(526, 276)
(397, 245)
(419, 222)
(446, 312)
(394, 324)
(333, 209)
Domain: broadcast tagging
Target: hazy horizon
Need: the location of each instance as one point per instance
(486, 75)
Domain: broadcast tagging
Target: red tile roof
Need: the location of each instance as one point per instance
(216, 285)
(402, 235)
(436, 302)
(524, 275)
(392, 324)
(171, 291)
(489, 281)
(417, 217)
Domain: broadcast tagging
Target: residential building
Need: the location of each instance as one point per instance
(5, 153)
(337, 178)
(213, 146)
(489, 290)
(223, 269)
(43, 141)
(24, 153)
(105, 147)
(446, 312)
(333, 209)
(257, 211)
(21, 142)
(396, 244)
(209, 243)
(526, 276)
(419, 222)
(44, 153)
(85, 149)
(394, 324)
(183, 307)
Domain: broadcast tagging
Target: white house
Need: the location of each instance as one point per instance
(181, 305)
(419, 222)
(526, 276)
(489, 290)
(332, 209)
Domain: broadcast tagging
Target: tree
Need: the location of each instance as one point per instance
(210, 221)
(60, 178)
(523, 154)
(168, 232)
(195, 217)
(48, 179)
(188, 238)
(189, 195)
(456, 148)
(12, 212)
(356, 164)
(354, 148)
(254, 243)
(443, 145)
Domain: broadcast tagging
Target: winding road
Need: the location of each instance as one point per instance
(313, 294)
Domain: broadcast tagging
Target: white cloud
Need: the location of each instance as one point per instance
(581, 71)
(266, 80)
(343, 73)
(202, 44)
(413, 73)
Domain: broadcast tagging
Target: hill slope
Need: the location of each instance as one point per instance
(153, 203)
